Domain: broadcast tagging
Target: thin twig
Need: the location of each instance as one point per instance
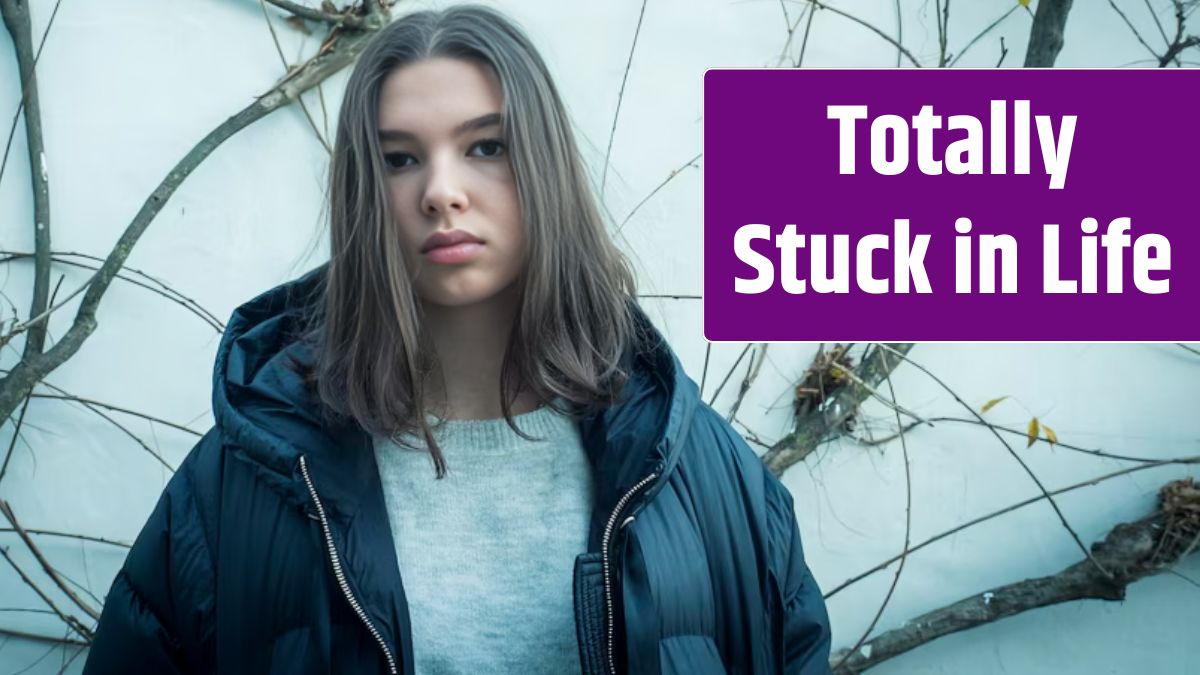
(283, 59)
(42, 638)
(1023, 433)
(907, 534)
(1029, 471)
(892, 405)
(1190, 349)
(668, 179)
(69, 535)
(166, 291)
(870, 27)
(1154, 15)
(1008, 509)
(1135, 32)
(72, 622)
(7, 512)
(979, 36)
(620, 97)
(127, 411)
(804, 42)
(752, 369)
(24, 406)
(729, 374)
(791, 29)
(12, 444)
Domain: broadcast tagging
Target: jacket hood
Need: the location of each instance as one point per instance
(261, 406)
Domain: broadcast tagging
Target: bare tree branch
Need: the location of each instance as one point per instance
(7, 512)
(834, 408)
(339, 50)
(1008, 509)
(16, 20)
(346, 18)
(1180, 43)
(1131, 550)
(1046, 34)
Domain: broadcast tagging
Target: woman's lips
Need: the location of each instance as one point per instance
(455, 253)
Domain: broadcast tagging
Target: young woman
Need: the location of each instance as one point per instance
(459, 446)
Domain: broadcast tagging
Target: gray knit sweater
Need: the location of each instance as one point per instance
(487, 553)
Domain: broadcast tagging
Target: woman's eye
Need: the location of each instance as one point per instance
(398, 160)
(488, 148)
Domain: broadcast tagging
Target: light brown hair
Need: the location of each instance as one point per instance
(575, 321)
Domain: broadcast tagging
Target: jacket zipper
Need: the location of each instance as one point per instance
(609, 610)
(339, 575)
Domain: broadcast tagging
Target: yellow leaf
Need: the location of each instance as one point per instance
(1032, 432)
(1050, 435)
(990, 404)
(1023, 3)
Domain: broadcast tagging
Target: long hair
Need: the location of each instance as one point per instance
(575, 318)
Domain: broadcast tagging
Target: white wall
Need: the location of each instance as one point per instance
(128, 88)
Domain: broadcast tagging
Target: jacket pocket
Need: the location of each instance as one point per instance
(690, 655)
(589, 613)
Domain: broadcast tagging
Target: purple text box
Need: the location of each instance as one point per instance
(772, 158)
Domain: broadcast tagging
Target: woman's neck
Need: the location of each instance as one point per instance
(470, 341)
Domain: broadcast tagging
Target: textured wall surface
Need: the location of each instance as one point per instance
(128, 88)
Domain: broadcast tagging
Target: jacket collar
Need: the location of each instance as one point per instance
(262, 408)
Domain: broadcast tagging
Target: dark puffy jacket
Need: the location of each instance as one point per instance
(270, 550)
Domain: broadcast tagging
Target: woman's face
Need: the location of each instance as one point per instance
(452, 194)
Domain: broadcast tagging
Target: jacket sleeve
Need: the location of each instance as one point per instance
(157, 614)
(806, 633)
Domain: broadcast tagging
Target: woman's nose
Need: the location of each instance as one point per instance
(444, 190)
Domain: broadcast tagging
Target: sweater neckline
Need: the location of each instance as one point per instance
(543, 424)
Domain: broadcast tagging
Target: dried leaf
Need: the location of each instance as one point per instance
(327, 6)
(298, 23)
(1050, 435)
(1032, 432)
(990, 404)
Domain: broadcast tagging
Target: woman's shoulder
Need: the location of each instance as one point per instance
(713, 444)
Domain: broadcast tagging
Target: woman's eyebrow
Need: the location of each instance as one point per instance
(481, 122)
